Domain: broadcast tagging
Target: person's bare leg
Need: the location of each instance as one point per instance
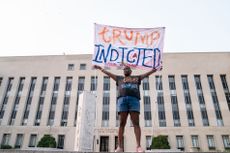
(123, 118)
(137, 130)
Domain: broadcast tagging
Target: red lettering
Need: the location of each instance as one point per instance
(143, 38)
(128, 37)
(103, 33)
(124, 36)
(154, 36)
(136, 39)
(116, 36)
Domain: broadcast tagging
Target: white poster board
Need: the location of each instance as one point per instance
(135, 47)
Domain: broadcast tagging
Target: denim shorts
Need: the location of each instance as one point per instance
(128, 104)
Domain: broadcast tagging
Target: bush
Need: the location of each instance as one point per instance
(160, 142)
(17, 146)
(47, 141)
(6, 147)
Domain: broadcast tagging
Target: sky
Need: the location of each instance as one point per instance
(57, 27)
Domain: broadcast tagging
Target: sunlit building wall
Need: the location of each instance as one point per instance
(188, 101)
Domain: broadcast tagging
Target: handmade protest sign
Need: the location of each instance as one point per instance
(136, 47)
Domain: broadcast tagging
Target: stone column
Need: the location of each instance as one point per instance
(85, 122)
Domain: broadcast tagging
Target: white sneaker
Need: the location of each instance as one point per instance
(139, 149)
(119, 149)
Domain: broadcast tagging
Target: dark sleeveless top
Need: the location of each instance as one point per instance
(128, 86)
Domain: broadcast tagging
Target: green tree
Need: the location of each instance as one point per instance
(160, 142)
(47, 141)
(6, 147)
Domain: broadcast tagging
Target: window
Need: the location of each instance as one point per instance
(146, 83)
(82, 66)
(185, 82)
(159, 83)
(104, 144)
(195, 141)
(56, 83)
(106, 85)
(64, 117)
(68, 84)
(105, 110)
(180, 142)
(61, 141)
(93, 85)
(16, 101)
(65, 110)
(172, 85)
(147, 116)
(6, 97)
(174, 101)
(160, 102)
(10, 84)
(70, 67)
(210, 81)
(44, 85)
(106, 100)
(41, 101)
(105, 121)
(224, 82)
(201, 100)
(81, 81)
(198, 82)
(105, 116)
(5, 139)
(176, 115)
(187, 100)
(211, 143)
(66, 100)
(162, 121)
(205, 117)
(29, 100)
(33, 139)
(146, 100)
(19, 141)
(147, 111)
(215, 101)
(226, 90)
(226, 141)
(53, 101)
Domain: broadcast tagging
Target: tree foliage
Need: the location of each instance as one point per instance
(6, 147)
(47, 141)
(160, 142)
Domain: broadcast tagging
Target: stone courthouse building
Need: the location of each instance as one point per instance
(188, 101)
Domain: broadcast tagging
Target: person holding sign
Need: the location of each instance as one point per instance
(128, 102)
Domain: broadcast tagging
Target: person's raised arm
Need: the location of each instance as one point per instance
(113, 76)
(149, 73)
